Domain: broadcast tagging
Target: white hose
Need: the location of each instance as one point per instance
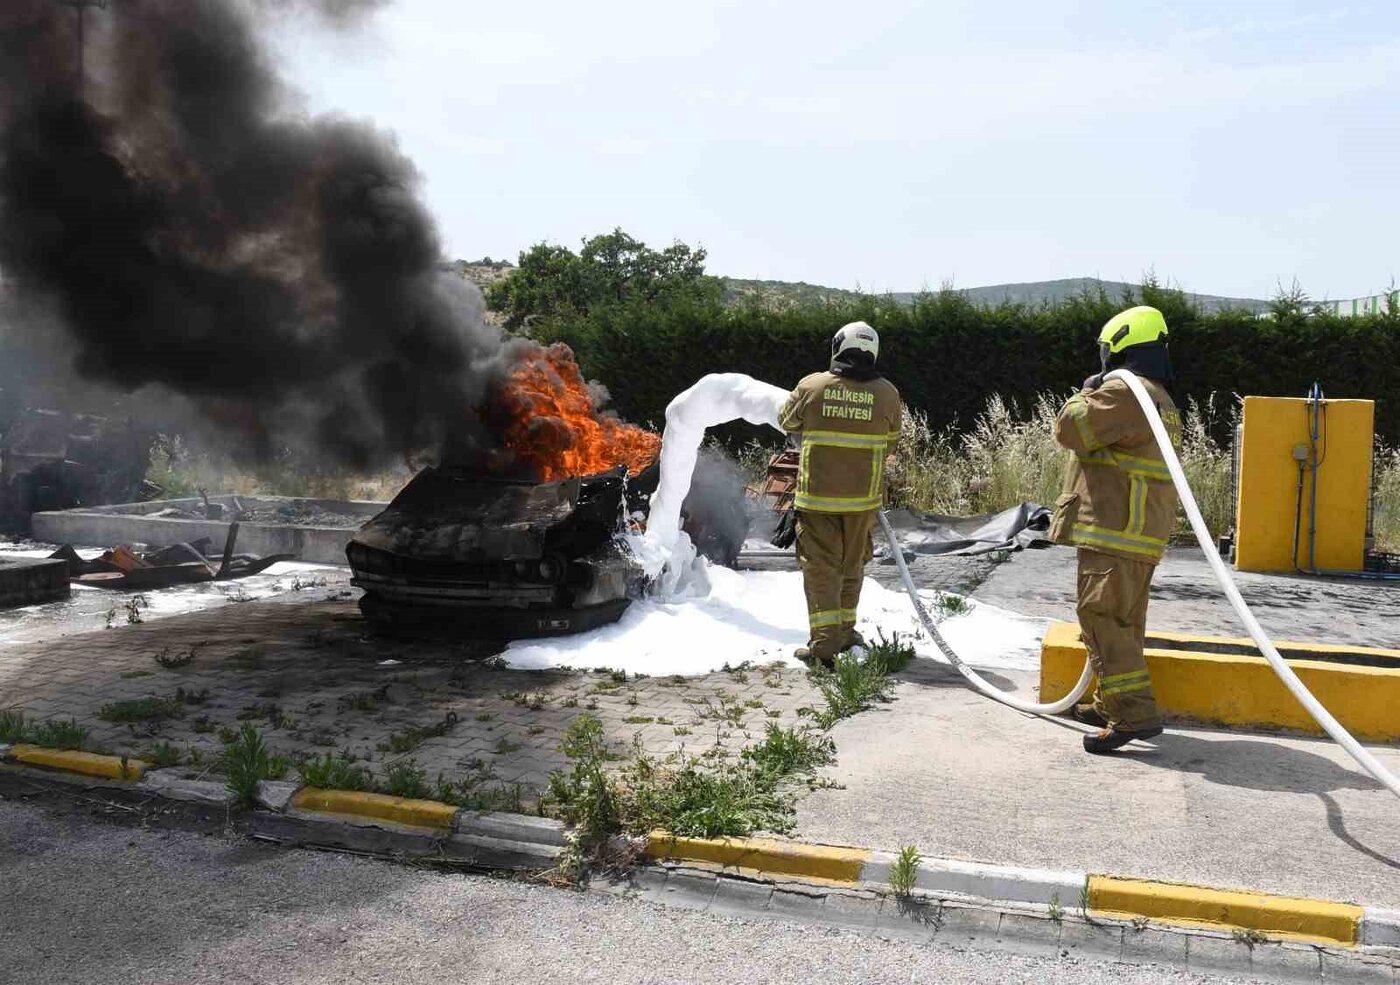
(975, 679)
(1222, 574)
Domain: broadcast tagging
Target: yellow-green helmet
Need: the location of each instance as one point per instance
(1135, 326)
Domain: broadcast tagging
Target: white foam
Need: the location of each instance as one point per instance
(668, 555)
(761, 616)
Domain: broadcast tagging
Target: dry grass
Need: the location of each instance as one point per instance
(1009, 457)
(183, 470)
(1387, 517)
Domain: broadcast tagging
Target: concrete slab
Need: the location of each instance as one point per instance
(30, 581)
(961, 776)
(161, 523)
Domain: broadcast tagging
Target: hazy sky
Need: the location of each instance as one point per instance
(1226, 145)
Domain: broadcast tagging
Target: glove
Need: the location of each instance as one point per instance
(1093, 382)
(786, 534)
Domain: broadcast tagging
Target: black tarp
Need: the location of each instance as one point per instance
(1014, 529)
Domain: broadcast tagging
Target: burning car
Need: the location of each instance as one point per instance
(462, 554)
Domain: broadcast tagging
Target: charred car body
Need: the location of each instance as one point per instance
(463, 555)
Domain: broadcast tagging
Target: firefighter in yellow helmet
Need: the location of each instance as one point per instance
(848, 420)
(1118, 509)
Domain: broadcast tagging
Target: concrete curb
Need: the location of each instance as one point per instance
(1171, 904)
(75, 761)
(290, 814)
(978, 880)
(380, 806)
(1279, 916)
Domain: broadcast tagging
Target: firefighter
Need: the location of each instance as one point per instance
(1118, 509)
(847, 419)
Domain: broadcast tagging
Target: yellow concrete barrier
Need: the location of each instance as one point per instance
(74, 761)
(1241, 689)
(1282, 916)
(763, 855)
(358, 803)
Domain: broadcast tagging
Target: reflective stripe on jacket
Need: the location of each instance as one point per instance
(847, 428)
(1118, 495)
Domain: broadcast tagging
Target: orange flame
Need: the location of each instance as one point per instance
(554, 425)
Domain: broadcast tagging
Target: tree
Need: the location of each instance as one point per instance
(552, 282)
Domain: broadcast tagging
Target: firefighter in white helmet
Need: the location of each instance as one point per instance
(848, 420)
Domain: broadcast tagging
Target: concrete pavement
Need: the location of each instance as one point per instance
(959, 775)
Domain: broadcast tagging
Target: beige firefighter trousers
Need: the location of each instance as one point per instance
(1113, 622)
(832, 549)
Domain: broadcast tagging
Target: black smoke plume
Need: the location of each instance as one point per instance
(186, 226)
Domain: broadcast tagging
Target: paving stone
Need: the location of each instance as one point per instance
(1287, 962)
(1084, 939)
(967, 923)
(1220, 954)
(797, 907)
(692, 890)
(1154, 946)
(741, 896)
(1025, 934)
(854, 912)
(1338, 966)
(911, 920)
(649, 880)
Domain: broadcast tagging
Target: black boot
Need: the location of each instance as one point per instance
(1089, 715)
(1109, 739)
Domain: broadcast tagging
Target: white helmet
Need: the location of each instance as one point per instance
(856, 335)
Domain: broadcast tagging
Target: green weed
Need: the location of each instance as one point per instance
(851, 687)
(150, 709)
(788, 752)
(1248, 936)
(247, 761)
(586, 796)
(162, 754)
(712, 795)
(407, 779)
(950, 605)
(13, 727)
(891, 654)
(55, 734)
(333, 772)
(904, 871)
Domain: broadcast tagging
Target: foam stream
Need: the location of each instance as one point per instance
(665, 551)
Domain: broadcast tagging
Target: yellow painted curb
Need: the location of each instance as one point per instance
(763, 855)
(402, 810)
(1309, 919)
(74, 761)
(1237, 689)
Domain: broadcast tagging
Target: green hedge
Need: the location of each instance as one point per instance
(947, 355)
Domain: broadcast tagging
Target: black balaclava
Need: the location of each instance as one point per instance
(1150, 359)
(855, 364)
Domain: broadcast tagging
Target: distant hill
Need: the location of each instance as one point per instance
(782, 294)
(1042, 291)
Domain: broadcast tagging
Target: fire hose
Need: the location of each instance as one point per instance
(1285, 673)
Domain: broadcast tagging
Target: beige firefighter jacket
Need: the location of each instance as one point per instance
(847, 427)
(1118, 495)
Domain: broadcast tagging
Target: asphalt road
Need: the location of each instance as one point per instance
(83, 900)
